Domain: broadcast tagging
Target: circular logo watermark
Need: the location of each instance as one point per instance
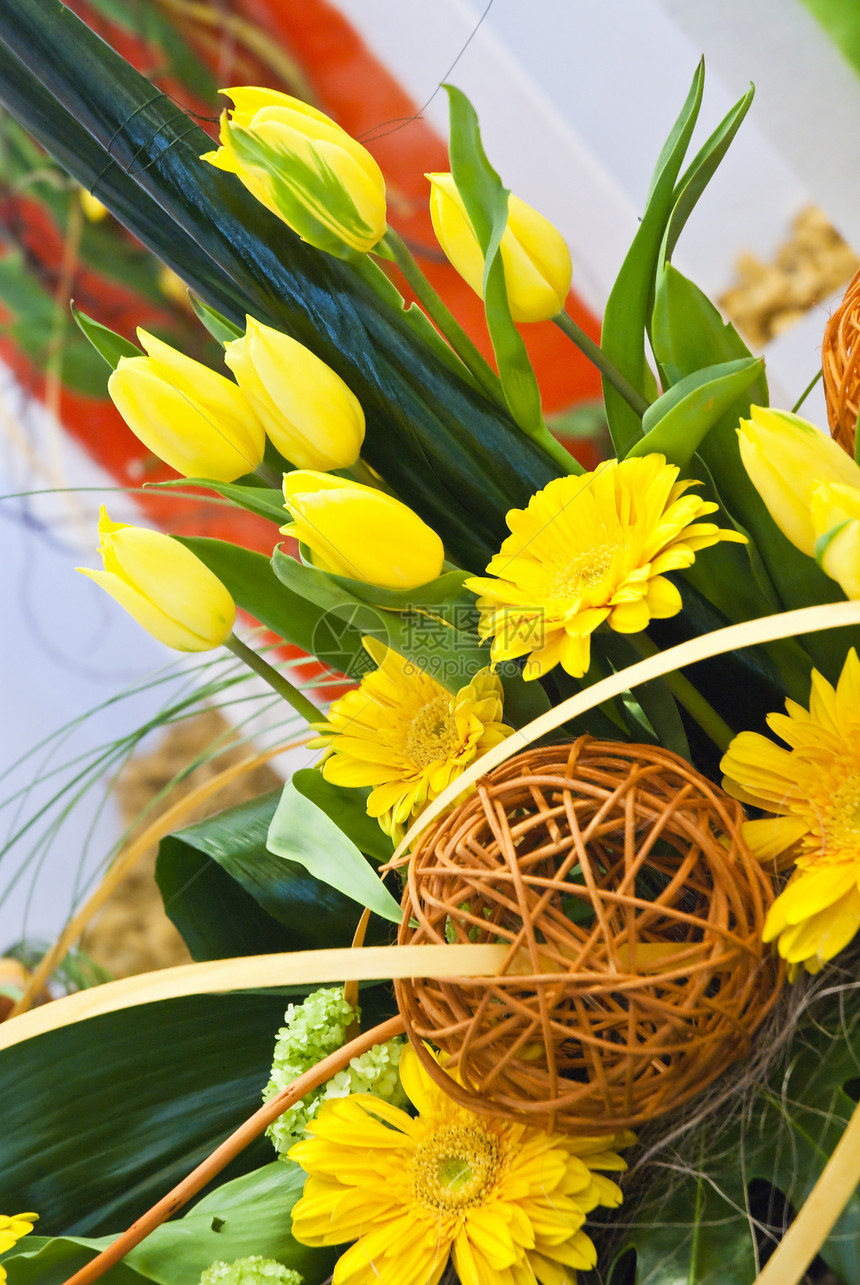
(336, 639)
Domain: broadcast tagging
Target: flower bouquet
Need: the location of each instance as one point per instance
(562, 915)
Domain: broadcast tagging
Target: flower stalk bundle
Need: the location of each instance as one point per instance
(433, 542)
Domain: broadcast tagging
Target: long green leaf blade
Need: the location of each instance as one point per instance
(628, 308)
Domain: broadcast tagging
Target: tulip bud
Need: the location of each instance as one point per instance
(355, 531)
(835, 514)
(314, 420)
(534, 254)
(164, 586)
(304, 168)
(786, 457)
(194, 419)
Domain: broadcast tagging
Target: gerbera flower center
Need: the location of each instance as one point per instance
(841, 820)
(582, 572)
(456, 1167)
(432, 733)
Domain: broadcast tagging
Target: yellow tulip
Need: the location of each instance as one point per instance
(194, 419)
(355, 531)
(314, 420)
(534, 253)
(835, 511)
(304, 168)
(786, 458)
(164, 586)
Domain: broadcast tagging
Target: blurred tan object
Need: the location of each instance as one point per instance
(132, 934)
(840, 362)
(769, 297)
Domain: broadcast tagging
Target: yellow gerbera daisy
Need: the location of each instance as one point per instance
(12, 1228)
(591, 549)
(507, 1201)
(403, 734)
(813, 788)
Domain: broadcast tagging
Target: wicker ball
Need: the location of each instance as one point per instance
(633, 910)
(840, 362)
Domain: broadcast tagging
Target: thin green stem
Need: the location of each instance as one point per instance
(276, 681)
(439, 314)
(686, 694)
(807, 390)
(269, 476)
(598, 358)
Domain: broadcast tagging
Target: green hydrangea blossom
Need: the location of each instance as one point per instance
(250, 1271)
(312, 1031)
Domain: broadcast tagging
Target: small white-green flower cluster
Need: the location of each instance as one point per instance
(312, 1031)
(250, 1271)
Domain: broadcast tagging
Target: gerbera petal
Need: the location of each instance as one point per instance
(814, 890)
(630, 617)
(597, 543)
(505, 1199)
(771, 837)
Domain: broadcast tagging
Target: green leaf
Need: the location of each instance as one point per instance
(41, 1261)
(144, 1095)
(165, 35)
(272, 600)
(251, 1214)
(696, 1227)
(229, 895)
(688, 333)
(418, 321)
(265, 501)
(348, 810)
(445, 591)
(702, 169)
(486, 201)
(628, 308)
(302, 832)
(654, 699)
(219, 327)
(677, 423)
(106, 342)
(434, 645)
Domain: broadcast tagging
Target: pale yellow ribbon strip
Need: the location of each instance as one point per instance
(813, 1224)
(254, 972)
(785, 624)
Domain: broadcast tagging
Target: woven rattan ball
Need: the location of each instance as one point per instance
(840, 362)
(633, 911)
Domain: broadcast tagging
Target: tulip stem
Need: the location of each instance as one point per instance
(598, 358)
(439, 314)
(269, 476)
(276, 681)
(686, 694)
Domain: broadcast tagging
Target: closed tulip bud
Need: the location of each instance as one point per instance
(194, 419)
(164, 586)
(786, 458)
(534, 253)
(314, 420)
(304, 168)
(354, 531)
(835, 513)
